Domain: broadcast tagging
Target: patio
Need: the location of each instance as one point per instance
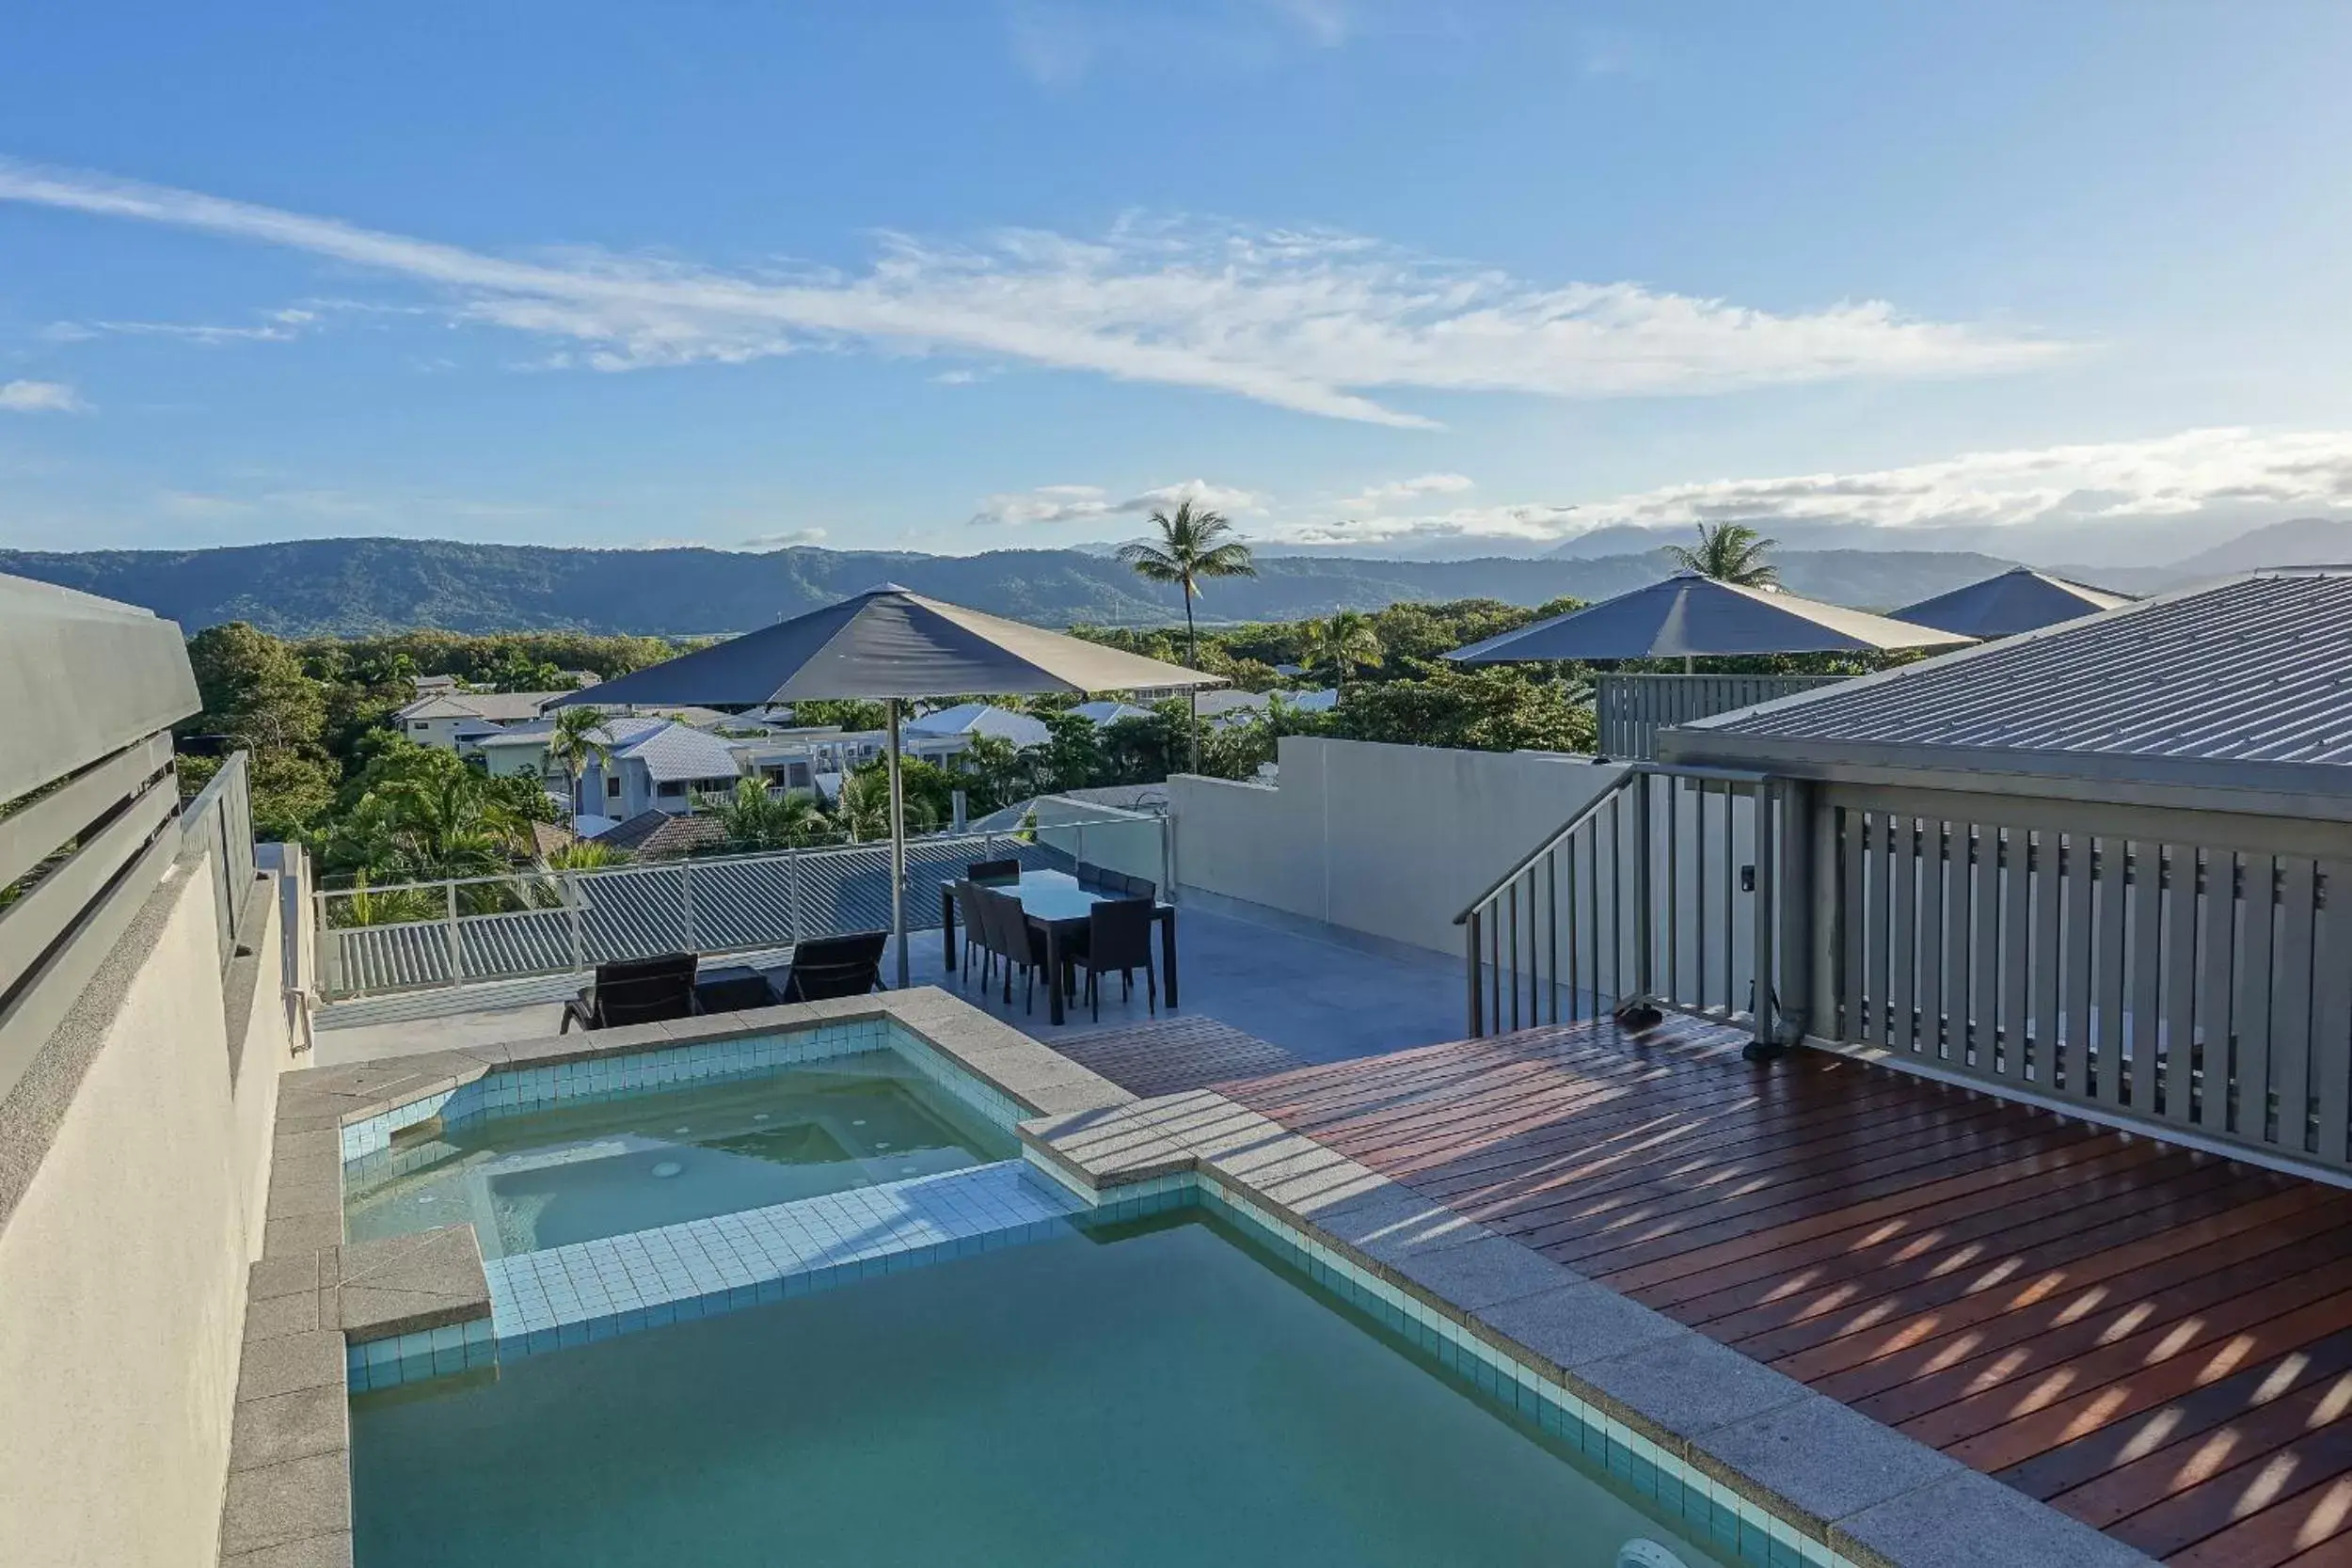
(1320, 993)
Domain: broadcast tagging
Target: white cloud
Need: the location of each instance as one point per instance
(39, 397)
(785, 540)
(278, 326)
(1079, 503)
(1310, 321)
(2168, 476)
(2260, 475)
(1374, 498)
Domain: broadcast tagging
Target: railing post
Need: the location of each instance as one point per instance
(685, 900)
(1765, 1041)
(457, 951)
(571, 898)
(1477, 1020)
(1645, 984)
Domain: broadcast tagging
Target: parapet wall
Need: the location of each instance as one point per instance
(133, 1160)
(1391, 841)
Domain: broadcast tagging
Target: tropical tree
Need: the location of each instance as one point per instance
(579, 738)
(1193, 544)
(1729, 552)
(584, 854)
(865, 806)
(993, 769)
(1348, 642)
(757, 818)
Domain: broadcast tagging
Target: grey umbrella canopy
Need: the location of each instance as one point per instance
(891, 644)
(1690, 616)
(2020, 599)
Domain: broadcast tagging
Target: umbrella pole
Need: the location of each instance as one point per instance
(897, 851)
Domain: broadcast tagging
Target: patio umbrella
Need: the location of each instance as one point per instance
(1688, 616)
(891, 644)
(2020, 599)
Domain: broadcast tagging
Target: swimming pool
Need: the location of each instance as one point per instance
(1160, 1392)
(605, 1164)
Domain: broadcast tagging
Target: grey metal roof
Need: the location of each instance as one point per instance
(1687, 616)
(2241, 684)
(2020, 599)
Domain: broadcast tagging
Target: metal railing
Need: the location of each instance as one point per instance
(1661, 890)
(1630, 710)
(540, 923)
(220, 819)
(2189, 970)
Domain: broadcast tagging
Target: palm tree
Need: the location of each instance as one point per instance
(757, 819)
(1348, 642)
(1729, 552)
(579, 738)
(1192, 545)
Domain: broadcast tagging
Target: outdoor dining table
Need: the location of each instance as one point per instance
(1056, 903)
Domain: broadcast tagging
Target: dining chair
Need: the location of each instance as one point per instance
(1119, 936)
(975, 936)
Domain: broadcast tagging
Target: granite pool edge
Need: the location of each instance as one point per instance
(1860, 1490)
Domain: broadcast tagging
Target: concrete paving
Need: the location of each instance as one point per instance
(1319, 992)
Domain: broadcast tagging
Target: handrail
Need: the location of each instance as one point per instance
(1589, 808)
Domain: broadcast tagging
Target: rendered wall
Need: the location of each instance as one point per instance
(1388, 840)
(123, 1257)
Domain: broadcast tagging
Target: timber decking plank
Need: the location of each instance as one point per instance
(2155, 1340)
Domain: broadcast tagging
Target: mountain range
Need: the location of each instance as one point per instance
(349, 586)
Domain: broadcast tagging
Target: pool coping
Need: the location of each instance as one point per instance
(1854, 1488)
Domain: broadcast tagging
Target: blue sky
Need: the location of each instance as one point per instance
(1388, 276)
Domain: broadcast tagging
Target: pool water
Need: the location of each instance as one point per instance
(582, 1171)
(1156, 1394)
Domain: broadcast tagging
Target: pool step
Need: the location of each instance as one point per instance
(590, 1290)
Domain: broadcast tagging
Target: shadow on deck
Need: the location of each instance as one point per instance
(2155, 1341)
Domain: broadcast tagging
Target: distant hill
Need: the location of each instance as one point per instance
(2297, 542)
(347, 586)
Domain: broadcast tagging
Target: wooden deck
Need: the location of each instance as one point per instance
(2156, 1342)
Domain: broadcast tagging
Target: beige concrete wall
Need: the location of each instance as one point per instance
(1388, 840)
(122, 1263)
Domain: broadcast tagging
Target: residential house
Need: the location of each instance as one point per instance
(1102, 713)
(969, 720)
(436, 718)
(663, 765)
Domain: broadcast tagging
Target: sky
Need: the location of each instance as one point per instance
(2062, 281)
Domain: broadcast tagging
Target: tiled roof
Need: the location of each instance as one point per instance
(654, 834)
(673, 752)
(502, 706)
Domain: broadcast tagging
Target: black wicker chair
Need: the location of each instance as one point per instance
(635, 991)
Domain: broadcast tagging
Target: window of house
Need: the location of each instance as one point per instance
(670, 789)
(796, 776)
(419, 724)
(612, 788)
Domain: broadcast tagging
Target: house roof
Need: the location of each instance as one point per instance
(654, 834)
(982, 719)
(1107, 712)
(2020, 599)
(2240, 686)
(501, 706)
(672, 753)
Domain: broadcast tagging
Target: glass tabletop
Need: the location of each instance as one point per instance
(1048, 895)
